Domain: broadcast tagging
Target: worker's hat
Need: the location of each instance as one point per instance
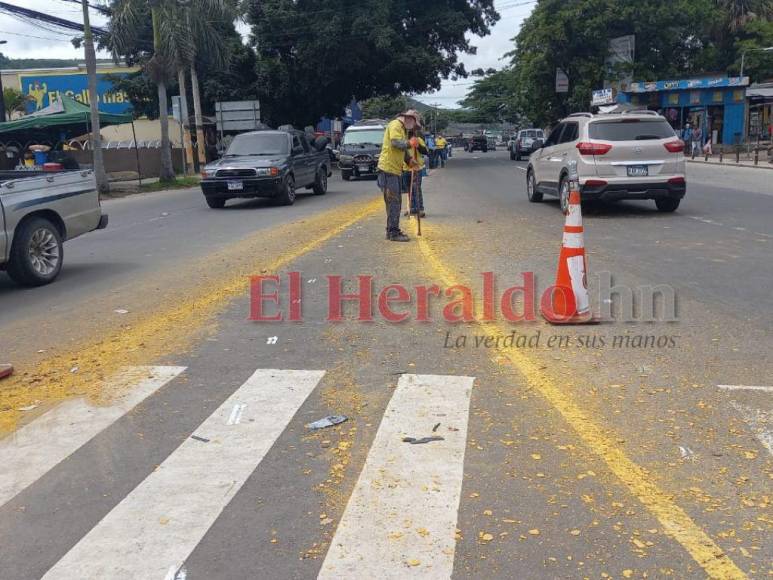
(412, 113)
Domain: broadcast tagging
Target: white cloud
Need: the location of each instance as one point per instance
(490, 54)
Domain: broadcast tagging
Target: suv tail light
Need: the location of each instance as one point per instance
(674, 146)
(590, 148)
(677, 181)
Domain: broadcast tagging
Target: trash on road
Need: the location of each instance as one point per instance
(5, 370)
(325, 422)
(435, 428)
(202, 439)
(28, 408)
(121, 311)
(414, 441)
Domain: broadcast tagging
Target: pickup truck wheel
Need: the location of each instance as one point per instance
(215, 202)
(287, 195)
(346, 175)
(36, 253)
(320, 184)
(667, 204)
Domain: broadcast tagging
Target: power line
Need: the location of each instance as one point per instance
(33, 36)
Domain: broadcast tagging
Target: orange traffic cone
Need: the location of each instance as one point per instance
(567, 302)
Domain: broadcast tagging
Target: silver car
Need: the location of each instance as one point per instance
(632, 155)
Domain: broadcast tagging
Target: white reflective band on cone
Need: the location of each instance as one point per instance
(574, 217)
(573, 240)
(576, 266)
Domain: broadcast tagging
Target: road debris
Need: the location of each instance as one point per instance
(414, 441)
(202, 439)
(435, 428)
(6, 370)
(325, 422)
(272, 339)
(121, 311)
(28, 408)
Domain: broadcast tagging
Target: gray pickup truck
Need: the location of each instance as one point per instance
(38, 211)
(267, 164)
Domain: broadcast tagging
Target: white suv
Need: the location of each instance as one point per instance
(631, 155)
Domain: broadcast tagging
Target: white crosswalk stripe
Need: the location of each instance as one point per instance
(401, 518)
(39, 446)
(156, 527)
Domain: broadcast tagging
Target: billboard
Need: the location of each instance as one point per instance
(43, 89)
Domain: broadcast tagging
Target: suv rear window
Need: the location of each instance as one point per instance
(630, 130)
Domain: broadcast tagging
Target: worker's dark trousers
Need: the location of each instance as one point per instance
(390, 186)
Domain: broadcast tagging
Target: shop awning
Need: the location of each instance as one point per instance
(757, 92)
(63, 114)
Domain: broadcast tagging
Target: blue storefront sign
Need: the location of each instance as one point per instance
(44, 88)
(714, 104)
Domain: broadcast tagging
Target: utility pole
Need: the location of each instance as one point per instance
(2, 95)
(103, 186)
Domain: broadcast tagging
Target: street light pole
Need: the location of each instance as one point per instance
(2, 94)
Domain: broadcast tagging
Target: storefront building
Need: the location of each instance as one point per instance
(716, 105)
(760, 121)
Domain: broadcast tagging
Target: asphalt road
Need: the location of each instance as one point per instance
(574, 452)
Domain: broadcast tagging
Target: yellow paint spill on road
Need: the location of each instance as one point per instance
(675, 521)
(81, 371)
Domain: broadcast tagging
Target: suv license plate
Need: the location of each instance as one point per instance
(363, 168)
(638, 171)
(235, 186)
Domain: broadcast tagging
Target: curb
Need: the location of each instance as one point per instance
(766, 165)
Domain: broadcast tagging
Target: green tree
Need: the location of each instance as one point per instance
(383, 107)
(314, 56)
(14, 100)
(491, 98)
(128, 20)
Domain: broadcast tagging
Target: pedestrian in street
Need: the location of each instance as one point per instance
(696, 137)
(394, 152)
(441, 145)
(431, 146)
(687, 137)
(418, 153)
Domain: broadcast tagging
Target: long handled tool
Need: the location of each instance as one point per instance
(418, 211)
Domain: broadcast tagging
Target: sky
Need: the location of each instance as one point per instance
(37, 40)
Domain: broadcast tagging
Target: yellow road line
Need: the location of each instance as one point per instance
(168, 330)
(674, 519)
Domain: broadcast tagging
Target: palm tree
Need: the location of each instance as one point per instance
(740, 12)
(128, 16)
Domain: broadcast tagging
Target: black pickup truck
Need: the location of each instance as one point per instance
(271, 163)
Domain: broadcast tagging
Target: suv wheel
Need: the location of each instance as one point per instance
(563, 194)
(36, 253)
(346, 175)
(287, 195)
(667, 204)
(531, 188)
(320, 184)
(215, 202)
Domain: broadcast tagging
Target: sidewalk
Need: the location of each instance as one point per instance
(729, 160)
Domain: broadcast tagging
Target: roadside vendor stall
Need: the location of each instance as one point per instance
(49, 132)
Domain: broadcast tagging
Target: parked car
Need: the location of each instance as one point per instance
(38, 212)
(631, 155)
(270, 163)
(526, 142)
(360, 148)
(477, 143)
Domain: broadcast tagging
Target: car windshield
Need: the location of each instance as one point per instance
(530, 134)
(364, 137)
(630, 130)
(258, 144)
